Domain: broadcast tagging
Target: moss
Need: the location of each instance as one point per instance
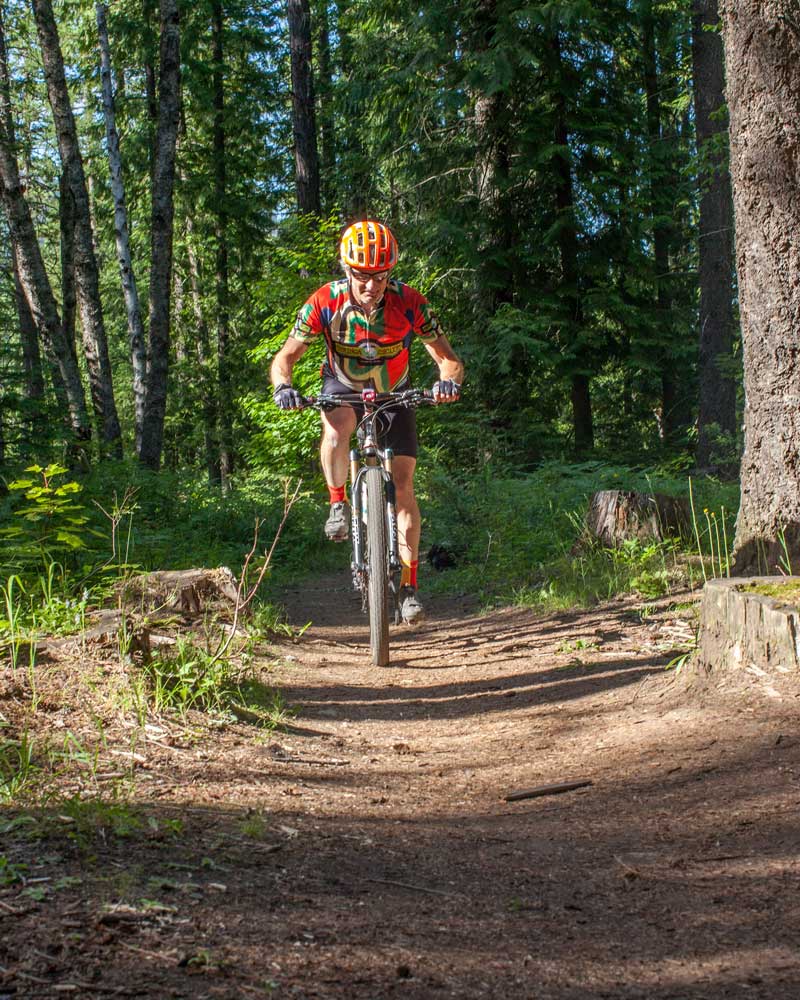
(785, 593)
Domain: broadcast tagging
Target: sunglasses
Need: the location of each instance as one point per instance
(363, 277)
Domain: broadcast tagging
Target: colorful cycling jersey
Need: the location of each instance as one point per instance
(367, 352)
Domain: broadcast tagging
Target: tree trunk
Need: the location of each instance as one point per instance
(209, 396)
(660, 211)
(355, 174)
(31, 355)
(224, 391)
(717, 413)
(306, 159)
(87, 279)
(32, 274)
(66, 225)
(127, 275)
(161, 236)
(324, 91)
(762, 53)
(149, 9)
(580, 395)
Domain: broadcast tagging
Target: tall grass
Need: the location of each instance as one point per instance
(520, 538)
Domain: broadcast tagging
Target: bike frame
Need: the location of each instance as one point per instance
(370, 454)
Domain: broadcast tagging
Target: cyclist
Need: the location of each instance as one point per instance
(369, 321)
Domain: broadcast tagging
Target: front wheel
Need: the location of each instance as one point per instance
(377, 566)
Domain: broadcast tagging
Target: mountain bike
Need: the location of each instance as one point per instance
(375, 562)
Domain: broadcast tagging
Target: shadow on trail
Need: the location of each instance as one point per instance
(561, 899)
(384, 700)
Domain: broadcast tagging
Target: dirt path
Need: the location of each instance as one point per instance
(370, 852)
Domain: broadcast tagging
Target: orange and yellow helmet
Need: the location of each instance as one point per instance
(368, 246)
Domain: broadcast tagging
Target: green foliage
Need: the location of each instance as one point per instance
(50, 523)
(19, 772)
(186, 677)
(520, 537)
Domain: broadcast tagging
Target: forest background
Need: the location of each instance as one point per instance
(175, 178)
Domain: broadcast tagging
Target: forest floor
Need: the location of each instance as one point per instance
(369, 850)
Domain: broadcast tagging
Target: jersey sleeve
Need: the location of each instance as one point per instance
(426, 326)
(308, 325)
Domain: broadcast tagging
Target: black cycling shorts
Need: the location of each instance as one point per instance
(397, 425)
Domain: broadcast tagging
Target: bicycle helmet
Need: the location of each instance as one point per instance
(368, 246)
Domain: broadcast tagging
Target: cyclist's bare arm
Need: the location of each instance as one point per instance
(450, 365)
(284, 361)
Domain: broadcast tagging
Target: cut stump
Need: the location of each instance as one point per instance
(616, 516)
(750, 631)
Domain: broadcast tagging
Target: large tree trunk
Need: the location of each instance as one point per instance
(66, 225)
(660, 211)
(87, 279)
(161, 236)
(306, 159)
(717, 414)
(32, 274)
(762, 53)
(149, 42)
(224, 406)
(324, 89)
(495, 278)
(355, 173)
(31, 355)
(127, 275)
(35, 421)
(580, 394)
(205, 366)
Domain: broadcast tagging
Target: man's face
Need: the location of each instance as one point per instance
(367, 289)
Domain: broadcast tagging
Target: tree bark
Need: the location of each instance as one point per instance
(324, 88)
(31, 271)
(660, 211)
(224, 390)
(161, 236)
(306, 158)
(31, 355)
(717, 411)
(580, 394)
(87, 280)
(130, 292)
(762, 53)
(210, 424)
(66, 225)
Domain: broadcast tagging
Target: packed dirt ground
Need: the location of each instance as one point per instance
(369, 850)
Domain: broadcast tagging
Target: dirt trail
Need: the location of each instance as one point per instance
(370, 852)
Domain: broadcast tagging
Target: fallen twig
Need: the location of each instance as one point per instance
(557, 789)
(414, 888)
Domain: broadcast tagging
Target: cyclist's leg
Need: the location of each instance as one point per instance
(408, 517)
(400, 434)
(337, 429)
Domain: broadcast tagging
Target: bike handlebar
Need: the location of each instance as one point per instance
(407, 397)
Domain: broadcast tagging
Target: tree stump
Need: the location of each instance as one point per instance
(616, 516)
(751, 625)
(189, 591)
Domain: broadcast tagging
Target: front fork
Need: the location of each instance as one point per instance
(357, 523)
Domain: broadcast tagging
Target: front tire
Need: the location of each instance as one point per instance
(377, 566)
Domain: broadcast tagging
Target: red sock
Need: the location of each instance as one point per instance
(408, 577)
(337, 493)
